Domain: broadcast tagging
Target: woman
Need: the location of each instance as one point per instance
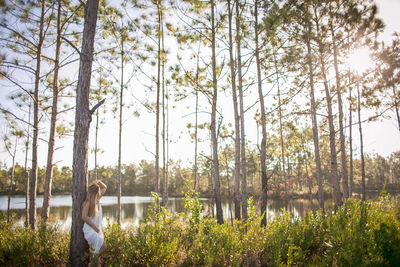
(92, 217)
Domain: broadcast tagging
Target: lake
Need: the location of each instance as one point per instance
(135, 208)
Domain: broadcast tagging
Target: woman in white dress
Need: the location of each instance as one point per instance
(92, 217)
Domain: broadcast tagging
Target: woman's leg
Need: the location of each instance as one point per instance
(101, 250)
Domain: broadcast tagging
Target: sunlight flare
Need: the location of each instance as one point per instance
(360, 60)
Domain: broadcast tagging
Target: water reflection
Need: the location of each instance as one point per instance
(134, 209)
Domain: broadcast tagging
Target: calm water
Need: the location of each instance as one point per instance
(134, 208)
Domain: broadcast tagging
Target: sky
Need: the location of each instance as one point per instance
(138, 132)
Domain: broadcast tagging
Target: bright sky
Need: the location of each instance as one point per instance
(138, 132)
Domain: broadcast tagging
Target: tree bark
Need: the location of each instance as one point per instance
(214, 138)
(157, 156)
(242, 132)
(361, 145)
(281, 133)
(26, 170)
(10, 189)
(196, 123)
(54, 111)
(165, 163)
(341, 129)
(263, 152)
(236, 115)
(332, 139)
(314, 120)
(33, 182)
(351, 143)
(78, 244)
(121, 95)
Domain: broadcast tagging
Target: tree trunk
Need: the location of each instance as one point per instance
(341, 129)
(120, 133)
(263, 152)
(157, 159)
(281, 132)
(195, 137)
(78, 244)
(309, 178)
(53, 123)
(332, 139)
(26, 170)
(350, 137)
(236, 114)
(10, 190)
(196, 123)
(314, 121)
(95, 142)
(242, 132)
(396, 106)
(165, 163)
(361, 145)
(33, 184)
(214, 138)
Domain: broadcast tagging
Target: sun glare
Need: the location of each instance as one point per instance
(359, 61)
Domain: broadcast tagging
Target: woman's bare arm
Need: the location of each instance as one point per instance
(85, 217)
(103, 187)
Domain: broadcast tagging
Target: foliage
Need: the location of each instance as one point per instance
(20, 246)
(355, 234)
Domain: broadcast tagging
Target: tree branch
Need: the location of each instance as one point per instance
(15, 116)
(72, 45)
(96, 106)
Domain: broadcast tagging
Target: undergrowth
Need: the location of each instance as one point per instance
(356, 234)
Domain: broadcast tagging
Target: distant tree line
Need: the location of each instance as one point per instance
(139, 179)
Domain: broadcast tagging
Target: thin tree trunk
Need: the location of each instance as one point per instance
(236, 114)
(95, 143)
(165, 166)
(26, 170)
(33, 185)
(314, 121)
(351, 185)
(214, 138)
(120, 133)
(157, 159)
(229, 186)
(10, 190)
(396, 106)
(361, 145)
(341, 129)
(309, 178)
(54, 111)
(263, 152)
(97, 128)
(281, 132)
(78, 244)
(242, 132)
(195, 137)
(332, 139)
(196, 122)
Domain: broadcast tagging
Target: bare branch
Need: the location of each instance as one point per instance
(96, 106)
(72, 45)
(15, 116)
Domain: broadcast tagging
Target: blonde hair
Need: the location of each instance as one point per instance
(91, 198)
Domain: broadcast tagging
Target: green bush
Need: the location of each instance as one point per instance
(356, 234)
(20, 246)
(117, 244)
(156, 241)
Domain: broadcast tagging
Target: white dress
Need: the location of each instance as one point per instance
(94, 239)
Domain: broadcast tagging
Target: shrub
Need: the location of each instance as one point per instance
(20, 246)
(156, 242)
(117, 245)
